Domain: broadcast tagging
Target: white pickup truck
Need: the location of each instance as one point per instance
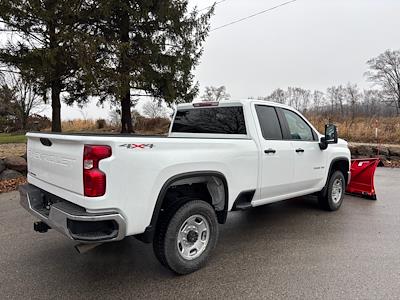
(174, 190)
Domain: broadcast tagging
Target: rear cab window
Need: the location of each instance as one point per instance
(269, 122)
(210, 120)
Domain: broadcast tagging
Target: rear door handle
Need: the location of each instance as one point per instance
(299, 150)
(269, 151)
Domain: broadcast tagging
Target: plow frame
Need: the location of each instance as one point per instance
(362, 177)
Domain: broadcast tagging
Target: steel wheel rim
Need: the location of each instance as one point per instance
(193, 237)
(337, 190)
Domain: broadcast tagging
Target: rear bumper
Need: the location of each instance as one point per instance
(70, 219)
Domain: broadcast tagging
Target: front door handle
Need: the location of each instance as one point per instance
(299, 150)
(267, 151)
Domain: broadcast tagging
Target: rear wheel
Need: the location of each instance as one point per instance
(185, 236)
(331, 198)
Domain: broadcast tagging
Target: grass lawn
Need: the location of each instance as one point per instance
(6, 138)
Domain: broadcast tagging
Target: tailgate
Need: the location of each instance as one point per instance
(56, 160)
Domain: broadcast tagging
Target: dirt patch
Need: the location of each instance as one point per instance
(7, 150)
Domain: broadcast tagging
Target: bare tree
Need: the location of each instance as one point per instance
(278, 96)
(154, 109)
(216, 94)
(354, 96)
(336, 96)
(6, 98)
(384, 70)
(23, 98)
(371, 102)
(298, 98)
(318, 99)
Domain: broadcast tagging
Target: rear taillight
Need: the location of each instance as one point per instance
(94, 180)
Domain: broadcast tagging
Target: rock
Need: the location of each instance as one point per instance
(2, 166)
(10, 174)
(382, 157)
(382, 150)
(16, 163)
(363, 150)
(394, 151)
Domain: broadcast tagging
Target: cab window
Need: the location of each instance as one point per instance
(298, 128)
(269, 123)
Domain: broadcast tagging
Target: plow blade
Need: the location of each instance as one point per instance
(362, 177)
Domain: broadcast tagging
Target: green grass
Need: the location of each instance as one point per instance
(6, 138)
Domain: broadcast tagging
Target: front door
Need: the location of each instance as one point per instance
(309, 160)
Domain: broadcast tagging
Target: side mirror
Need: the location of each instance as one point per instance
(331, 136)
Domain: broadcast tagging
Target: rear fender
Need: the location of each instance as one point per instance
(221, 211)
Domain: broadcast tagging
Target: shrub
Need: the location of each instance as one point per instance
(101, 123)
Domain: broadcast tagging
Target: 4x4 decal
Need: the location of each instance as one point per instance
(137, 146)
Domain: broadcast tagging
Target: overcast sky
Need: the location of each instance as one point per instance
(312, 44)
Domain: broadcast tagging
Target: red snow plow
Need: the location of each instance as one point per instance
(362, 177)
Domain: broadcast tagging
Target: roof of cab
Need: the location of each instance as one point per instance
(232, 103)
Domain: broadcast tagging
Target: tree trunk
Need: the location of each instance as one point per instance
(398, 103)
(55, 106)
(126, 118)
(24, 121)
(56, 82)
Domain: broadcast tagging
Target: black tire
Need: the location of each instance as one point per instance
(326, 199)
(165, 242)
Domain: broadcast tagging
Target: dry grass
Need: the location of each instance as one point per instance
(12, 149)
(363, 129)
(78, 125)
(89, 125)
(155, 126)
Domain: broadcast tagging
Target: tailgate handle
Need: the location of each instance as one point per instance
(46, 142)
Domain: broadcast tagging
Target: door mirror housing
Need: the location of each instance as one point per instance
(331, 136)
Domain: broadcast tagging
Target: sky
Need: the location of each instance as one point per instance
(313, 44)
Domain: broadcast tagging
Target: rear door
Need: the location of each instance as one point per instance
(277, 155)
(309, 161)
(56, 160)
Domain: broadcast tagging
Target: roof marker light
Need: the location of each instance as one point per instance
(205, 104)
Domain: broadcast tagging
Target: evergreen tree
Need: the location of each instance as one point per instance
(146, 48)
(50, 49)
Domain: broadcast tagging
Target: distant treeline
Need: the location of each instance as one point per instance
(343, 101)
(349, 101)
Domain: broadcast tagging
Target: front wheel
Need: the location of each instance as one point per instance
(332, 197)
(186, 236)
